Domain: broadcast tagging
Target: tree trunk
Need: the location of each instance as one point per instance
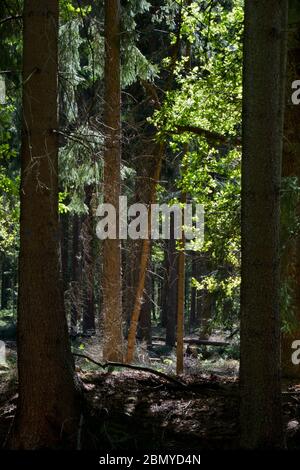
(46, 413)
(130, 261)
(76, 276)
(112, 281)
(88, 316)
(64, 249)
(264, 66)
(171, 288)
(206, 314)
(145, 333)
(180, 303)
(193, 309)
(164, 287)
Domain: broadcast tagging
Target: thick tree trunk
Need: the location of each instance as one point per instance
(46, 413)
(261, 420)
(112, 281)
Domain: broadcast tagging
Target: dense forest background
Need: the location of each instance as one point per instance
(157, 101)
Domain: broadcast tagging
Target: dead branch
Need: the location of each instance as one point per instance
(204, 342)
(105, 365)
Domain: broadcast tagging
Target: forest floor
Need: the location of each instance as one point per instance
(128, 410)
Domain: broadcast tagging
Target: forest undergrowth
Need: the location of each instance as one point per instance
(126, 409)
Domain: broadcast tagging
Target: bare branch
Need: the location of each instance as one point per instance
(105, 365)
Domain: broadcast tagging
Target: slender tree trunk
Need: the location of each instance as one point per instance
(171, 288)
(164, 288)
(145, 333)
(88, 315)
(193, 309)
(180, 314)
(129, 278)
(76, 276)
(206, 314)
(181, 299)
(46, 413)
(112, 280)
(64, 249)
(261, 420)
(180, 304)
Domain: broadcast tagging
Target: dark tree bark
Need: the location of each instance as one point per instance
(264, 64)
(207, 305)
(164, 287)
(129, 278)
(88, 316)
(180, 310)
(75, 287)
(46, 413)
(64, 250)
(193, 293)
(113, 347)
(144, 331)
(172, 288)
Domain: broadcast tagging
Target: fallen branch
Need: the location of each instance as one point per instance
(105, 365)
(204, 342)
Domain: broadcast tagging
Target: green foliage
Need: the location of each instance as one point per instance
(9, 182)
(10, 64)
(136, 66)
(71, 77)
(79, 167)
(208, 96)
